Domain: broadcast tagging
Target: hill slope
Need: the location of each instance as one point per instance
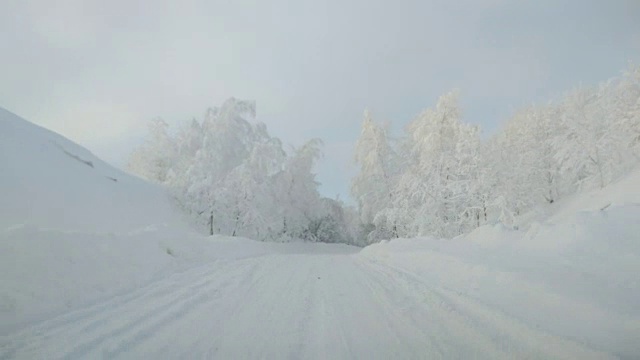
(51, 182)
(74, 230)
(573, 270)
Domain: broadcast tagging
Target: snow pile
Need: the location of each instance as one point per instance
(573, 274)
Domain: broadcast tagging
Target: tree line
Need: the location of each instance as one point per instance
(233, 178)
(438, 178)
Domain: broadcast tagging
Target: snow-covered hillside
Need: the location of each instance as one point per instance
(72, 228)
(50, 182)
(572, 268)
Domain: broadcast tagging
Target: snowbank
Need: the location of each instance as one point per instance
(45, 272)
(48, 271)
(574, 274)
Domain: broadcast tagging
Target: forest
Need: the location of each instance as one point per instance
(441, 177)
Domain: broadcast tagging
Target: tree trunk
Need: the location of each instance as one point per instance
(211, 224)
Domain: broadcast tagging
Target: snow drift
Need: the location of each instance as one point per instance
(572, 272)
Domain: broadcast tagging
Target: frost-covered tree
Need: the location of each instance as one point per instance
(627, 99)
(296, 189)
(446, 181)
(188, 142)
(224, 145)
(584, 140)
(234, 178)
(333, 225)
(529, 173)
(588, 146)
(624, 110)
(153, 160)
(373, 185)
(436, 191)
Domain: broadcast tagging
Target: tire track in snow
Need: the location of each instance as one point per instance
(134, 332)
(509, 333)
(218, 319)
(267, 303)
(72, 325)
(155, 288)
(292, 306)
(434, 329)
(119, 316)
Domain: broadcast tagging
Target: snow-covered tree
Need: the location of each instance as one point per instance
(296, 190)
(333, 225)
(624, 107)
(153, 160)
(442, 180)
(236, 179)
(373, 186)
(588, 146)
(529, 173)
(436, 190)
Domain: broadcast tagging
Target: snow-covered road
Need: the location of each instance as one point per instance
(295, 306)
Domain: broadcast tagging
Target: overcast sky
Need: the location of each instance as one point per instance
(97, 71)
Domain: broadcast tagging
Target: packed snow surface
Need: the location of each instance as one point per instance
(324, 302)
(96, 268)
